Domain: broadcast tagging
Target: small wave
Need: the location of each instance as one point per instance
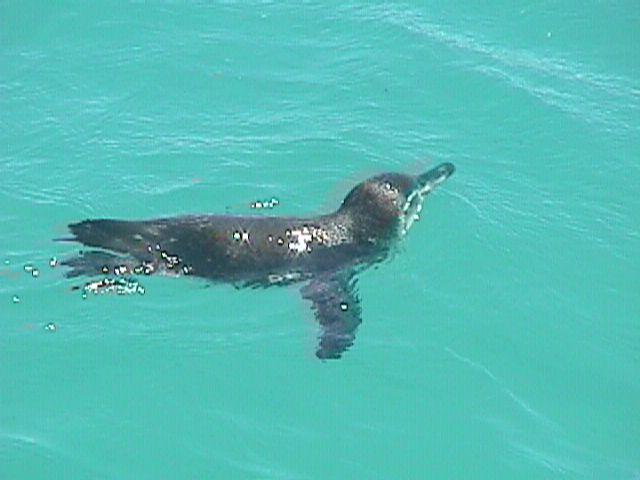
(19, 441)
(604, 99)
(524, 406)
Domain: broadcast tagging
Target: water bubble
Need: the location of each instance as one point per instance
(344, 306)
(16, 299)
(119, 286)
(50, 327)
(35, 272)
(271, 203)
(53, 262)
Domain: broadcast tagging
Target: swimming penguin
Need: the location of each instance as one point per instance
(323, 253)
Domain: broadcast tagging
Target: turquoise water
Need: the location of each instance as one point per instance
(500, 342)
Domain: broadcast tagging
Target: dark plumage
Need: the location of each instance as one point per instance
(325, 251)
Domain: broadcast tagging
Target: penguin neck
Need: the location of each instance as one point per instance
(369, 224)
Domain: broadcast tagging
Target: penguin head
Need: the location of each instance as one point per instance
(388, 204)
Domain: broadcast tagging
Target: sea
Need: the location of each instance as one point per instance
(501, 340)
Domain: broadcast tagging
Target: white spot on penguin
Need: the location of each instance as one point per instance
(300, 240)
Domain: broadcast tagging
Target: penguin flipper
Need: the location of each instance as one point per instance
(337, 308)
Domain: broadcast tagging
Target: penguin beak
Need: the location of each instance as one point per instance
(422, 186)
(434, 177)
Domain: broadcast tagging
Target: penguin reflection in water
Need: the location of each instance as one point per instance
(323, 253)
